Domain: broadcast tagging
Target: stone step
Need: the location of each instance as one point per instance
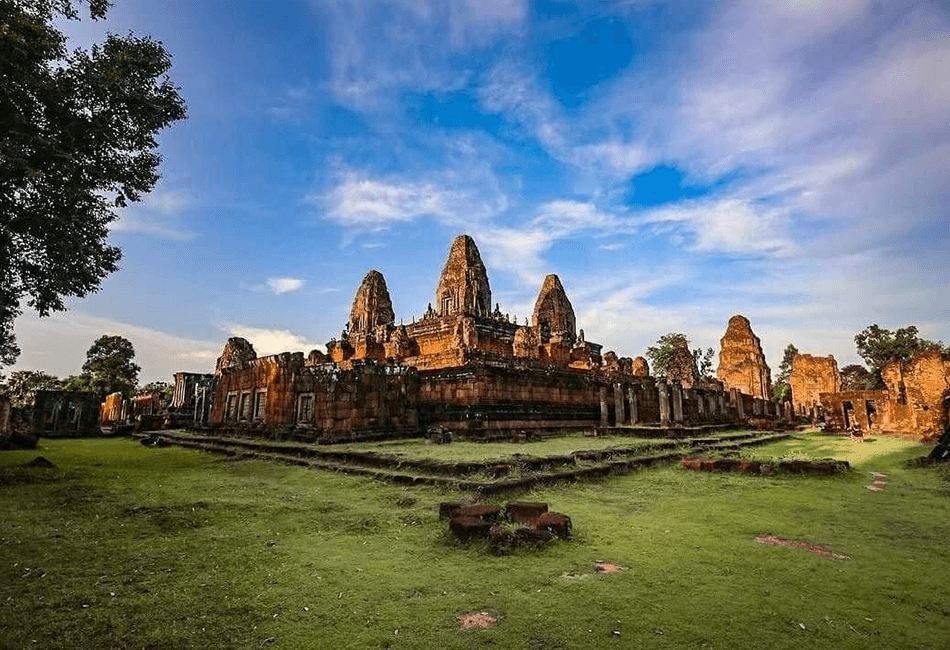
(454, 470)
(599, 470)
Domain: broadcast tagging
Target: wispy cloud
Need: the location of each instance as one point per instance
(278, 286)
(413, 44)
(159, 214)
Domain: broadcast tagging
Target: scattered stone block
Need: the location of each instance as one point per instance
(556, 523)
(525, 512)
(485, 512)
(448, 509)
(466, 528)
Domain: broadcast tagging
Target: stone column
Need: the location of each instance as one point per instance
(740, 405)
(700, 404)
(677, 402)
(603, 406)
(756, 407)
(713, 402)
(632, 397)
(618, 405)
(663, 394)
(722, 404)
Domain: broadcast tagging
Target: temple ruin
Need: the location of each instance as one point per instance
(464, 365)
(916, 401)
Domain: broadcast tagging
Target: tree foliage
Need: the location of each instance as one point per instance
(879, 346)
(661, 354)
(782, 391)
(77, 140)
(158, 388)
(704, 362)
(21, 385)
(110, 367)
(857, 377)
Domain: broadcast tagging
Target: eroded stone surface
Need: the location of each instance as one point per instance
(463, 286)
(741, 360)
(640, 368)
(372, 306)
(810, 377)
(553, 313)
(237, 354)
(682, 366)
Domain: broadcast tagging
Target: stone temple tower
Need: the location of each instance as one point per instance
(463, 285)
(742, 362)
(553, 313)
(372, 306)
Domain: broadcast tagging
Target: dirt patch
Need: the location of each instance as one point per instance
(607, 567)
(41, 461)
(774, 540)
(476, 620)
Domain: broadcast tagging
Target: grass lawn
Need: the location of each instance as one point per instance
(562, 445)
(125, 546)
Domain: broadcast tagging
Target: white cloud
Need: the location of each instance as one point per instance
(58, 344)
(267, 341)
(730, 225)
(284, 285)
(459, 198)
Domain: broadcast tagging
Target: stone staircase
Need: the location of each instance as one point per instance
(486, 477)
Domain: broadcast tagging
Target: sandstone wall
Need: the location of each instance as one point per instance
(918, 392)
(810, 377)
(328, 402)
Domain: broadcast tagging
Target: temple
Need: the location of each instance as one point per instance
(464, 365)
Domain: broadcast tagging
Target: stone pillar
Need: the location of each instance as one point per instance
(700, 404)
(734, 398)
(740, 405)
(603, 406)
(663, 394)
(677, 402)
(713, 402)
(756, 407)
(632, 397)
(722, 404)
(618, 405)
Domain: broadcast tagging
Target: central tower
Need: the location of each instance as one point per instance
(463, 285)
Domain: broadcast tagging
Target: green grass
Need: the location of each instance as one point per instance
(207, 552)
(460, 451)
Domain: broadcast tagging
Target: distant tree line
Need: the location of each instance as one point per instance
(109, 368)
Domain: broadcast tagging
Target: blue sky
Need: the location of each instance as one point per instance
(674, 162)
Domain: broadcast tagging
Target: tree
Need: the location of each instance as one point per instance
(857, 377)
(661, 354)
(158, 388)
(77, 139)
(879, 346)
(109, 365)
(21, 385)
(782, 391)
(704, 362)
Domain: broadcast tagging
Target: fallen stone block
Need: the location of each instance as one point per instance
(525, 512)
(466, 528)
(556, 523)
(485, 512)
(448, 509)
